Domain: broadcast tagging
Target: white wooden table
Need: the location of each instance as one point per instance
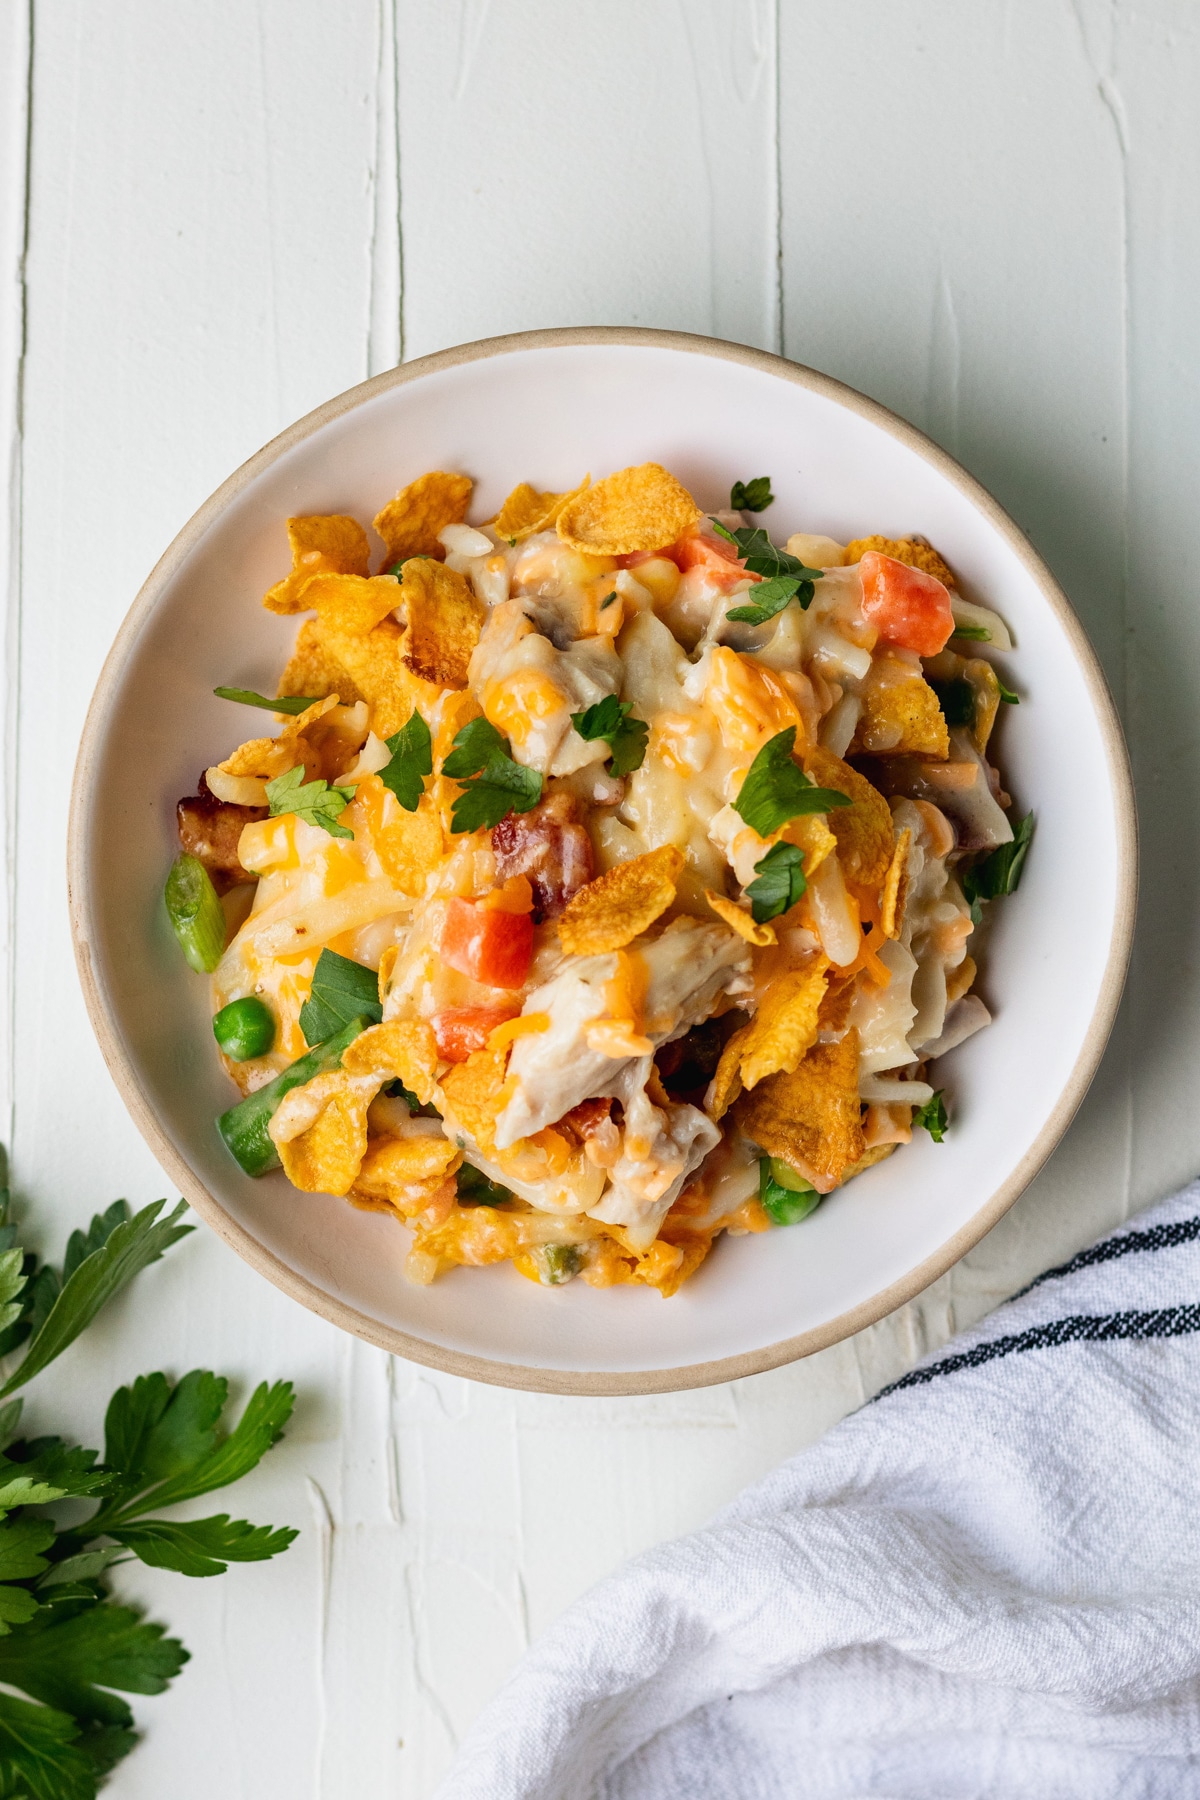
(216, 213)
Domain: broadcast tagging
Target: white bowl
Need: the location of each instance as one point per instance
(545, 407)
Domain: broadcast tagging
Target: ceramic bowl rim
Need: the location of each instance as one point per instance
(102, 1013)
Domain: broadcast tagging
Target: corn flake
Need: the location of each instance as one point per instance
(444, 621)
(739, 919)
(614, 909)
(810, 833)
(868, 1159)
(902, 718)
(985, 690)
(642, 508)
(268, 757)
(410, 523)
(777, 1037)
(352, 603)
(810, 1116)
(864, 831)
(895, 888)
(526, 511)
(406, 1172)
(402, 1050)
(320, 542)
(913, 551)
(312, 669)
(475, 1091)
(325, 1158)
(411, 847)
(376, 665)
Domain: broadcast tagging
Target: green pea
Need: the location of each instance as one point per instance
(244, 1028)
(786, 1197)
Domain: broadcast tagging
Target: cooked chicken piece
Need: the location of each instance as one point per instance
(209, 830)
(660, 1148)
(688, 970)
(551, 846)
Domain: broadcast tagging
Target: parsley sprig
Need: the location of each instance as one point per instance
(752, 496)
(780, 882)
(64, 1642)
(999, 873)
(313, 801)
(626, 737)
(291, 704)
(776, 789)
(493, 785)
(412, 761)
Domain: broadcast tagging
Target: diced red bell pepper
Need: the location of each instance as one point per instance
(461, 1029)
(487, 943)
(906, 606)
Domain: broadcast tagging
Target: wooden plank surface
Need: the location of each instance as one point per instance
(983, 216)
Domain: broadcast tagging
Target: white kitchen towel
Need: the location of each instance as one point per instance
(985, 1585)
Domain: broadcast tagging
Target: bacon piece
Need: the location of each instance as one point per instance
(551, 847)
(589, 1117)
(209, 830)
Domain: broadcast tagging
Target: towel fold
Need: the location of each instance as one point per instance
(985, 1583)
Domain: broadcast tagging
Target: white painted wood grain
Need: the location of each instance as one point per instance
(983, 215)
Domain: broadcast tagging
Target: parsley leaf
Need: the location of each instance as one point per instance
(412, 760)
(493, 784)
(771, 596)
(761, 556)
(751, 496)
(780, 882)
(291, 704)
(956, 699)
(1007, 695)
(626, 737)
(341, 990)
(775, 790)
(979, 632)
(197, 1546)
(313, 801)
(40, 1756)
(932, 1117)
(128, 1248)
(477, 1189)
(784, 1202)
(473, 746)
(71, 1661)
(999, 873)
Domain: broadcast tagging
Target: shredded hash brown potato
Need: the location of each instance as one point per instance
(585, 970)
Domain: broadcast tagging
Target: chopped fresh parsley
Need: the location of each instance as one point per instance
(776, 790)
(999, 873)
(477, 1189)
(979, 632)
(785, 1201)
(1006, 694)
(291, 704)
(932, 1117)
(956, 699)
(313, 801)
(608, 600)
(341, 990)
(761, 556)
(771, 596)
(412, 761)
(493, 784)
(751, 496)
(780, 882)
(626, 737)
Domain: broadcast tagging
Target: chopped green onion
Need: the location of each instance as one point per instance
(477, 1189)
(244, 1126)
(557, 1263)
(196, 914)
(244, 1028)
